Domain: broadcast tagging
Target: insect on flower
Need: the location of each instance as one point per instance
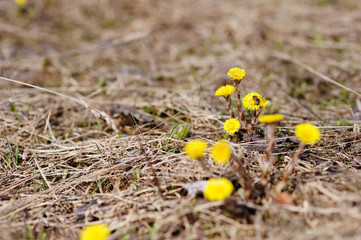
(256, 100)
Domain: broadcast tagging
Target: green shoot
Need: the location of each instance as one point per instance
(29, 233)
(98, 184)
(174, 131)
(101, 82)
(16, 154)
(64, 175)
(183, 133)
(45, 186)
(100, 127)
(15, 110)
(136, 172)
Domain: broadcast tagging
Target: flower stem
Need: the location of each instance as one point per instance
(255, 115)
(229, 101)
(270, 132)
(290, 167)
(203, 164)
(248, 186)
(239, 108)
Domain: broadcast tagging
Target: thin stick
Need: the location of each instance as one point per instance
(310, 69)
(42, 174)
(106, 44)
(94, 111)
(203, 164)
(270, 128)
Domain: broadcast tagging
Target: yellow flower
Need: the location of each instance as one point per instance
(254, 101)
(231, 126)
(308, 133)
(271, 118)
(195, 148)
(95, 232)
(221, 152)
(225, 91)
(218, 189)
(236, 74)
(21, 3)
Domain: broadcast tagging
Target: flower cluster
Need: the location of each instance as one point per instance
(251, 101)
(216, 189)
(221, 151)
(219, 189)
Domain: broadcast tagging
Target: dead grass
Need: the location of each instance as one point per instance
(158, 63)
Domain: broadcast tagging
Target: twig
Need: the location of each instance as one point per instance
(97, 113)
(36, 35)
(42, 174)
(286, 57)
(106, 44)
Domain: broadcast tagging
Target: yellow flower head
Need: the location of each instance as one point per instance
(308, 133)
(195, 148)
(254, 101)
(236, 74)
(218, 189)
(95, 232)
(231, 126)
(225, 91)
(271, 118)
(221, 152)
(21, 3)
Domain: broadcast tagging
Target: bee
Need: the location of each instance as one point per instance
(256, 100)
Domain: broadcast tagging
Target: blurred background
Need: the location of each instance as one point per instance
(135, 52)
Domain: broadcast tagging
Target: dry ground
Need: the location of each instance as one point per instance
(63, 164)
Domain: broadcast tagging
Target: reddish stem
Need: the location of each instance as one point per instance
(291, 166)
(228, 99)
(270, 129)
(239, 108)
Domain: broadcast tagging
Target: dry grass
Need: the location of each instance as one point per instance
(63, 165)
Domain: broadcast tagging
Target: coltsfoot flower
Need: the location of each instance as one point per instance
(231, 126)
(221, 152)
(21, 3)
(308, 133)
(254, 101)
(95, 232)
(195, 148)
(272, 118)
(236, 74)
(225, 91)
(218, 189)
